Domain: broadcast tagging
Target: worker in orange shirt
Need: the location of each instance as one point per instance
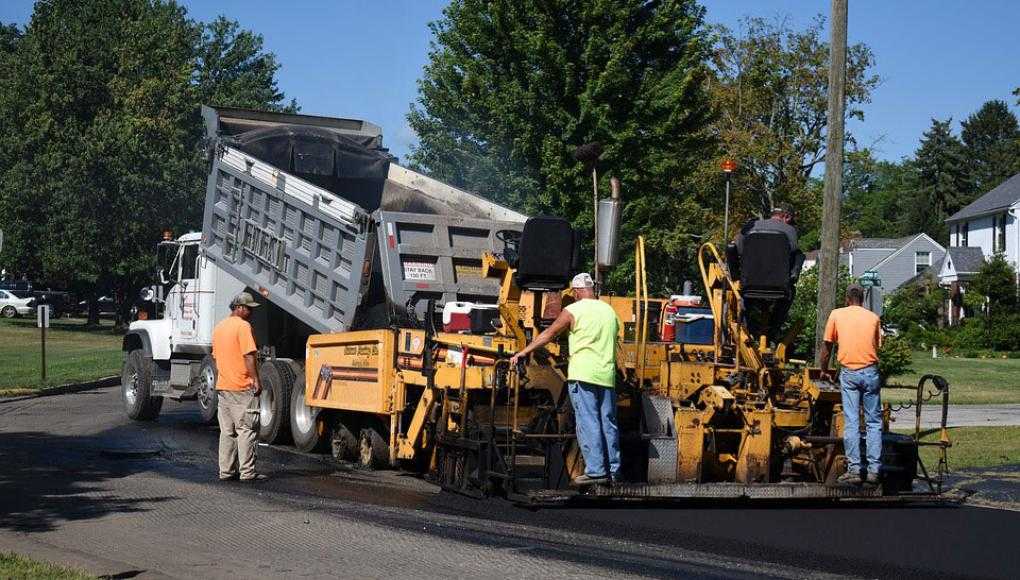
(237, 390)
(858, 333)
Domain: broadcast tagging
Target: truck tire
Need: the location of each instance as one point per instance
(136, 388)
(343, 442)
(307, 427)
(373, 451)
(274, 402)
(206, 394)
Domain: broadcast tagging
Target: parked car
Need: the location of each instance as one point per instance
(12, 306)
(890, 330)
(107, 306)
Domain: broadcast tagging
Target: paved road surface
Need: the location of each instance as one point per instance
(80, 484)
(960, 416)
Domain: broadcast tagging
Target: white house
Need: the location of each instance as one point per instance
(989, 225)
(991, 222)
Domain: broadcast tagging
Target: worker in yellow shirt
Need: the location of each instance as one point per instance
(858, 333)
(591, 378)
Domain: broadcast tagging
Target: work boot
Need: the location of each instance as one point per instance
(585, 479)
(258, 477)
(849, 478)
(872, 478)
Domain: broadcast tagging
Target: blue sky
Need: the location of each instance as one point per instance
(362, 58)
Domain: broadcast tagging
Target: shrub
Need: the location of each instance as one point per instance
(894, 358)
(915, 306)
(1003, 332)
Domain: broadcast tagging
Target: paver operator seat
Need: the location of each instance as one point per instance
(768, 270)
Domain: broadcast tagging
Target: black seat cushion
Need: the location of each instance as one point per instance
(546, 254)
(765, 265)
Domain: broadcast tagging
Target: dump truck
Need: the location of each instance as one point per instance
(316, 219)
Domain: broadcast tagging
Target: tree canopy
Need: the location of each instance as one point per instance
(943, 182)
(992, 138)
(512, 87)
(771, 86)
(100, 132)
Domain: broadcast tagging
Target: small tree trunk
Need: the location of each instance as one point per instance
(93, 318)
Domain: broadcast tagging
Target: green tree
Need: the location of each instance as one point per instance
(99, 144)
(770, 84)
(997, 282)
(992, 140)
(872, 193)
(943, 182)
(233, 69)
(915, 306)
(804, 310)
(512, 87)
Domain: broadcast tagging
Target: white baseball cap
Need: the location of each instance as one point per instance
(582, 280)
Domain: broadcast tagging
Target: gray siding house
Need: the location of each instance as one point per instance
(893, 260)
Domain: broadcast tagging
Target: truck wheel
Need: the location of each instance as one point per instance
(373, 452)
(342, 442)
(274, 402)
(307, 427)
(136, 388)
(206, 394)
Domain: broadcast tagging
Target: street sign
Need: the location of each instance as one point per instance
(42, 316)
(869, 279)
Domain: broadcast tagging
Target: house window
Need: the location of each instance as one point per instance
(966, 230)
(922, 260)
(1000, 236)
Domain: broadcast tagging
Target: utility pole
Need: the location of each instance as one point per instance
(828, 257)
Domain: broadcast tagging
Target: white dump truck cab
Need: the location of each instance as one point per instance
(169, 356)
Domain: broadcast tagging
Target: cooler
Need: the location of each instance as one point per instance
(694, 325)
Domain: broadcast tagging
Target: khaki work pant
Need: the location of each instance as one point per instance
(237, 433)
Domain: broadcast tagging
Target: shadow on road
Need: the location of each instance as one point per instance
(46, 480)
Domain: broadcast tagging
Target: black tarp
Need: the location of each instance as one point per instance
(352, 166)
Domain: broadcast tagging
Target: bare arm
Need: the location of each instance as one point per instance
(826, 355)
(250, 363)
(562, 322)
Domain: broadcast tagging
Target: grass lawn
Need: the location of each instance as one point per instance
(976, 447)
(73, 354)
(972, 381)
(18, 567)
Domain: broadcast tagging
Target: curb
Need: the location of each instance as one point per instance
(66, 389)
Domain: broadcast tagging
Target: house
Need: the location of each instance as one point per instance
(959, 266)
(991, 222)
(893, 261)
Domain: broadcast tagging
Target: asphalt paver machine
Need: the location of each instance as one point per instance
(733, 418)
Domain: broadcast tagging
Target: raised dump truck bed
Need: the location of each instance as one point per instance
(313, 213)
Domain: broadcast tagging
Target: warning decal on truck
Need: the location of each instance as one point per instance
(419, 271)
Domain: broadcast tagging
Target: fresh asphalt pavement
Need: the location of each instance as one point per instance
(80, 484)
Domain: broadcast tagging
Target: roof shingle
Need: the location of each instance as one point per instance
(1003, 196)
(966, 260)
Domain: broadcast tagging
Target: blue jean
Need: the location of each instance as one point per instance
(862, 385)
(597, 434)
